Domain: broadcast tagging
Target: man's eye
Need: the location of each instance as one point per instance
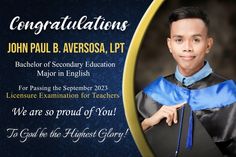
(178, 41)
(196, 40)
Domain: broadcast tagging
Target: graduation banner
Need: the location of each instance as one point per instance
(69, 75)
(61, 77)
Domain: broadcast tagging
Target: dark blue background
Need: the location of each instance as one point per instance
(11, 77)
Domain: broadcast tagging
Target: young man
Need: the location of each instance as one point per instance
(211, 98)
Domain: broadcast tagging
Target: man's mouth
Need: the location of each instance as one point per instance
(187, 58)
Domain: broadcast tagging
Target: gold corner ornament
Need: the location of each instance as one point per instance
(128, 80)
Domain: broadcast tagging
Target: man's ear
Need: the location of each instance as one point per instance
(168, 44)
(210, 42)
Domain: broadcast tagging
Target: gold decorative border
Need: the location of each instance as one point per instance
(128, 80)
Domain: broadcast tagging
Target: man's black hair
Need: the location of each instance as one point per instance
(188, 12)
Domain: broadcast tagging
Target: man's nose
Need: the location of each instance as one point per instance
(188, 47)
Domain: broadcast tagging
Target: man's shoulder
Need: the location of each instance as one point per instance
(215, 76)
(212, 79)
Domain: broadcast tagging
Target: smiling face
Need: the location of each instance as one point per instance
(189, 43)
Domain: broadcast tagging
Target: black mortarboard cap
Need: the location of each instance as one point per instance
(163, 139)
